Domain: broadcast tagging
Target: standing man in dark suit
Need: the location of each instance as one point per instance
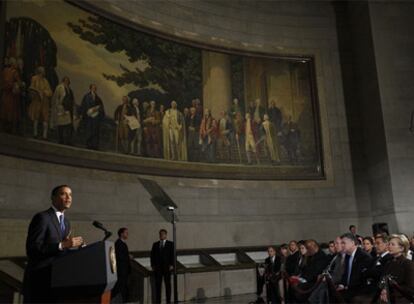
(356, 264)
(48, 237)
(162, 263)
(123, 266)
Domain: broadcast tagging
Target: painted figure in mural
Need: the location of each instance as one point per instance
(174, 135)
(235, 108)
(199, 108)
(251, 137)
(270, 139)
(225, 136)
(122, 129)
(292, 139)
(63, 111)
(275, 115)
(258, 112)
(193, 131)
(40, 94)
(208, 136)
(238, 124)
(92, 113)
(162, 111)
(10, 97)
(152, 131)
(135, 126)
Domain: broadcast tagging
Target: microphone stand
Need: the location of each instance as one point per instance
(173, 222)
(107, 235)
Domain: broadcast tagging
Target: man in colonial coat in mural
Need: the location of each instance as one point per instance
(40, 94)
(10, 97)
(174, 134)
(152, 131)
(122, 128)
(208, 136)
(92, 113)
(135, 126)
(63, 111)
(250, 138)
(270, 139)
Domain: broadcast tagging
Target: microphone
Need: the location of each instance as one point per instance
(101, 227)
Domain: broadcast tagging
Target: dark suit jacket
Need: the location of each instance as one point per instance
(162, 259)
(42, 247)
(123, 265)
(291, 262)
(360, 265)
(43, 238)
(374, 273)
(273, 268)
(315, 266)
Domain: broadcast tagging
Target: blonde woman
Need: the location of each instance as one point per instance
(400, 268)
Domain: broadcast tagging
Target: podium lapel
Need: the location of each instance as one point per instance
(55, 222)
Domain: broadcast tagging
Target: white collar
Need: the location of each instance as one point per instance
(58, 213)
(353, 253)
(384, 254)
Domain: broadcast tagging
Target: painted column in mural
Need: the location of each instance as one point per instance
(216, 82)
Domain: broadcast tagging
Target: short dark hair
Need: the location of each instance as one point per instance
(351, 237)
(383, 236)
(331, 242)
(163, 230)
(351, 226)
(55, 190)
(121, 230)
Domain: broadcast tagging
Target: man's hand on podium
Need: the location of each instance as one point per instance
(70, 242)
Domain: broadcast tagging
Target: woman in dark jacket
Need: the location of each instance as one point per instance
(401, 269)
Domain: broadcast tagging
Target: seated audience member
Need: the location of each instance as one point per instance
(322, 293)
(402, 271)
(284, 254)
(272, 276)
(293, 259)
(356, 263)
(331, 250)
(306, 280)
(368, 246)
(375, 271)
(303, 259)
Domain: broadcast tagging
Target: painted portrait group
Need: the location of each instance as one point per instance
(79, 79)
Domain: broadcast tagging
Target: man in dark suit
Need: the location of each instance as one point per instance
(123, 266)
(356, 264)
(48, 237)
(374, 273)
(272, 276)
(162, 263)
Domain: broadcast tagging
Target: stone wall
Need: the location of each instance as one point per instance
(392, 25)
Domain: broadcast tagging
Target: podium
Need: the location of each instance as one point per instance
(86, 275)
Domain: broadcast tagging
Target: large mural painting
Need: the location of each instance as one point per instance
(74, 78)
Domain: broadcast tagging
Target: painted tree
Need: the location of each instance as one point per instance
(173, 68)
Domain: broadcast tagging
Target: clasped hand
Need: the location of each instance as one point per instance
(72, 242)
